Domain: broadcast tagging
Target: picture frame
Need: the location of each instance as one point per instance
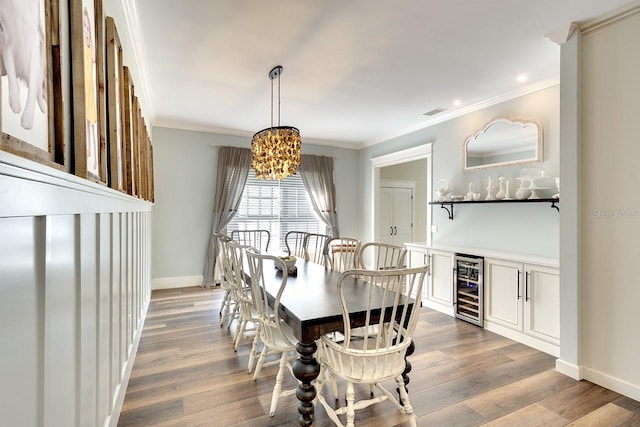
(135, 136)
(31, 114)
(115, 94)
(89, 106)
(127, 132)
(142, 131)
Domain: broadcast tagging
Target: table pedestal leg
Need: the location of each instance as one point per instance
(407, 369)
(306, 369)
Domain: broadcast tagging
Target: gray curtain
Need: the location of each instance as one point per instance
(317, 176)
(233, 169)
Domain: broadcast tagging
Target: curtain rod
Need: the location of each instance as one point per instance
(234, 146)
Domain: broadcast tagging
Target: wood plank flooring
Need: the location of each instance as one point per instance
(187, 374)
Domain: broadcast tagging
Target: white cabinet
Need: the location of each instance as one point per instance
(437, 292)
(396, 212)
(440, 283)
(524, 298)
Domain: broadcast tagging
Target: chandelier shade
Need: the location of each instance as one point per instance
(275, 151)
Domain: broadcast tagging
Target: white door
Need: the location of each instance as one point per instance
(402, 215)
(440, 284)
(542, 303)
(504, 293)
(396, 215)
(386, 215)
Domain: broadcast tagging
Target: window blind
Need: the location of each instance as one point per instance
(276, 206)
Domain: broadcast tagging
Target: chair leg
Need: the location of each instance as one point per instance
(239, 334)
(334, 385)
(351, 413)
(260, 362)
(277, 388)
(404, 396)
(254, 349)
(225, 307)
(233, 314)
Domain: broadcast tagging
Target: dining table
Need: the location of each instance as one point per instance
(310, 305)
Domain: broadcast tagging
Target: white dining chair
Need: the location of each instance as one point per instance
(341, 253)
(276, 336)
(258, 239)
(295, 241)
(381, 256)
(314, 247)
(248, 322)
(228, 307)
(379, 355)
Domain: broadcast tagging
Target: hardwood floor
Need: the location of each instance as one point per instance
(187, 374)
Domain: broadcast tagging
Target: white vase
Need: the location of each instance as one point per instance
(501, 192)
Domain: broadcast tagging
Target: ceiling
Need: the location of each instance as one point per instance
(356, 72)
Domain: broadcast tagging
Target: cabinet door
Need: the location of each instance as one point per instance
(402, 215)
(542, 303)
(440, 283)
(504, 287)
(395, 215)
(385, 229)
(417, 257)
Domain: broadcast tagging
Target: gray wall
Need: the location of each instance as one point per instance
(524, 228)
(185, 173)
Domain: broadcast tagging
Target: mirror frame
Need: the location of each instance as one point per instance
(538, 148)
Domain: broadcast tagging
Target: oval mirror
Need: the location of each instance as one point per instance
(502, 142)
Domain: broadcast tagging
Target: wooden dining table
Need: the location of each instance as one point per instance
(310, 305)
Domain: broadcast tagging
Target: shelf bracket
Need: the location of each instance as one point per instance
(554, 206)
(450, 212)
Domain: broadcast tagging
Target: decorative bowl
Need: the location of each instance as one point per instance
(289, 261)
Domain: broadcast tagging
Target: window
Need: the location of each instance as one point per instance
(277, 206)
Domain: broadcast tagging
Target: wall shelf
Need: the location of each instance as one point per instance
(448, 206)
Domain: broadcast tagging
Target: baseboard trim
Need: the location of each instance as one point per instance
(612, 383)
(569, 369)
(522, 338)
(176, 282)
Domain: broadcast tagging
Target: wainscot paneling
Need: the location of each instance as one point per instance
(74, 288)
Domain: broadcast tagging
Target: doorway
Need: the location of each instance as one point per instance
(421, 155)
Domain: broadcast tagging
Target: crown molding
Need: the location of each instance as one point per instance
(507, 96)
(610, 18)
(132, 20)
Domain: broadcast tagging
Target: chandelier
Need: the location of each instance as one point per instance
(275, 151)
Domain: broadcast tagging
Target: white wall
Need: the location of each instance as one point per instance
(75, 273)
(185, 173)
(74, 285)
(610, 208)
(530, 229)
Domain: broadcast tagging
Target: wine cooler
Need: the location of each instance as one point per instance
(468, 288)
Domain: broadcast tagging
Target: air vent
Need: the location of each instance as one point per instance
(434, 111)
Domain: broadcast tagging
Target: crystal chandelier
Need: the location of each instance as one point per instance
(275, 151)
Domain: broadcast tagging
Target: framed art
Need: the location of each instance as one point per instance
(115, 90)
(142, 152)
(127, 132)
(87, 68)
(135, 136)
(31, 116)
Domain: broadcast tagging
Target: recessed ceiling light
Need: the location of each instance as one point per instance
(457, 103)
(522, 78)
